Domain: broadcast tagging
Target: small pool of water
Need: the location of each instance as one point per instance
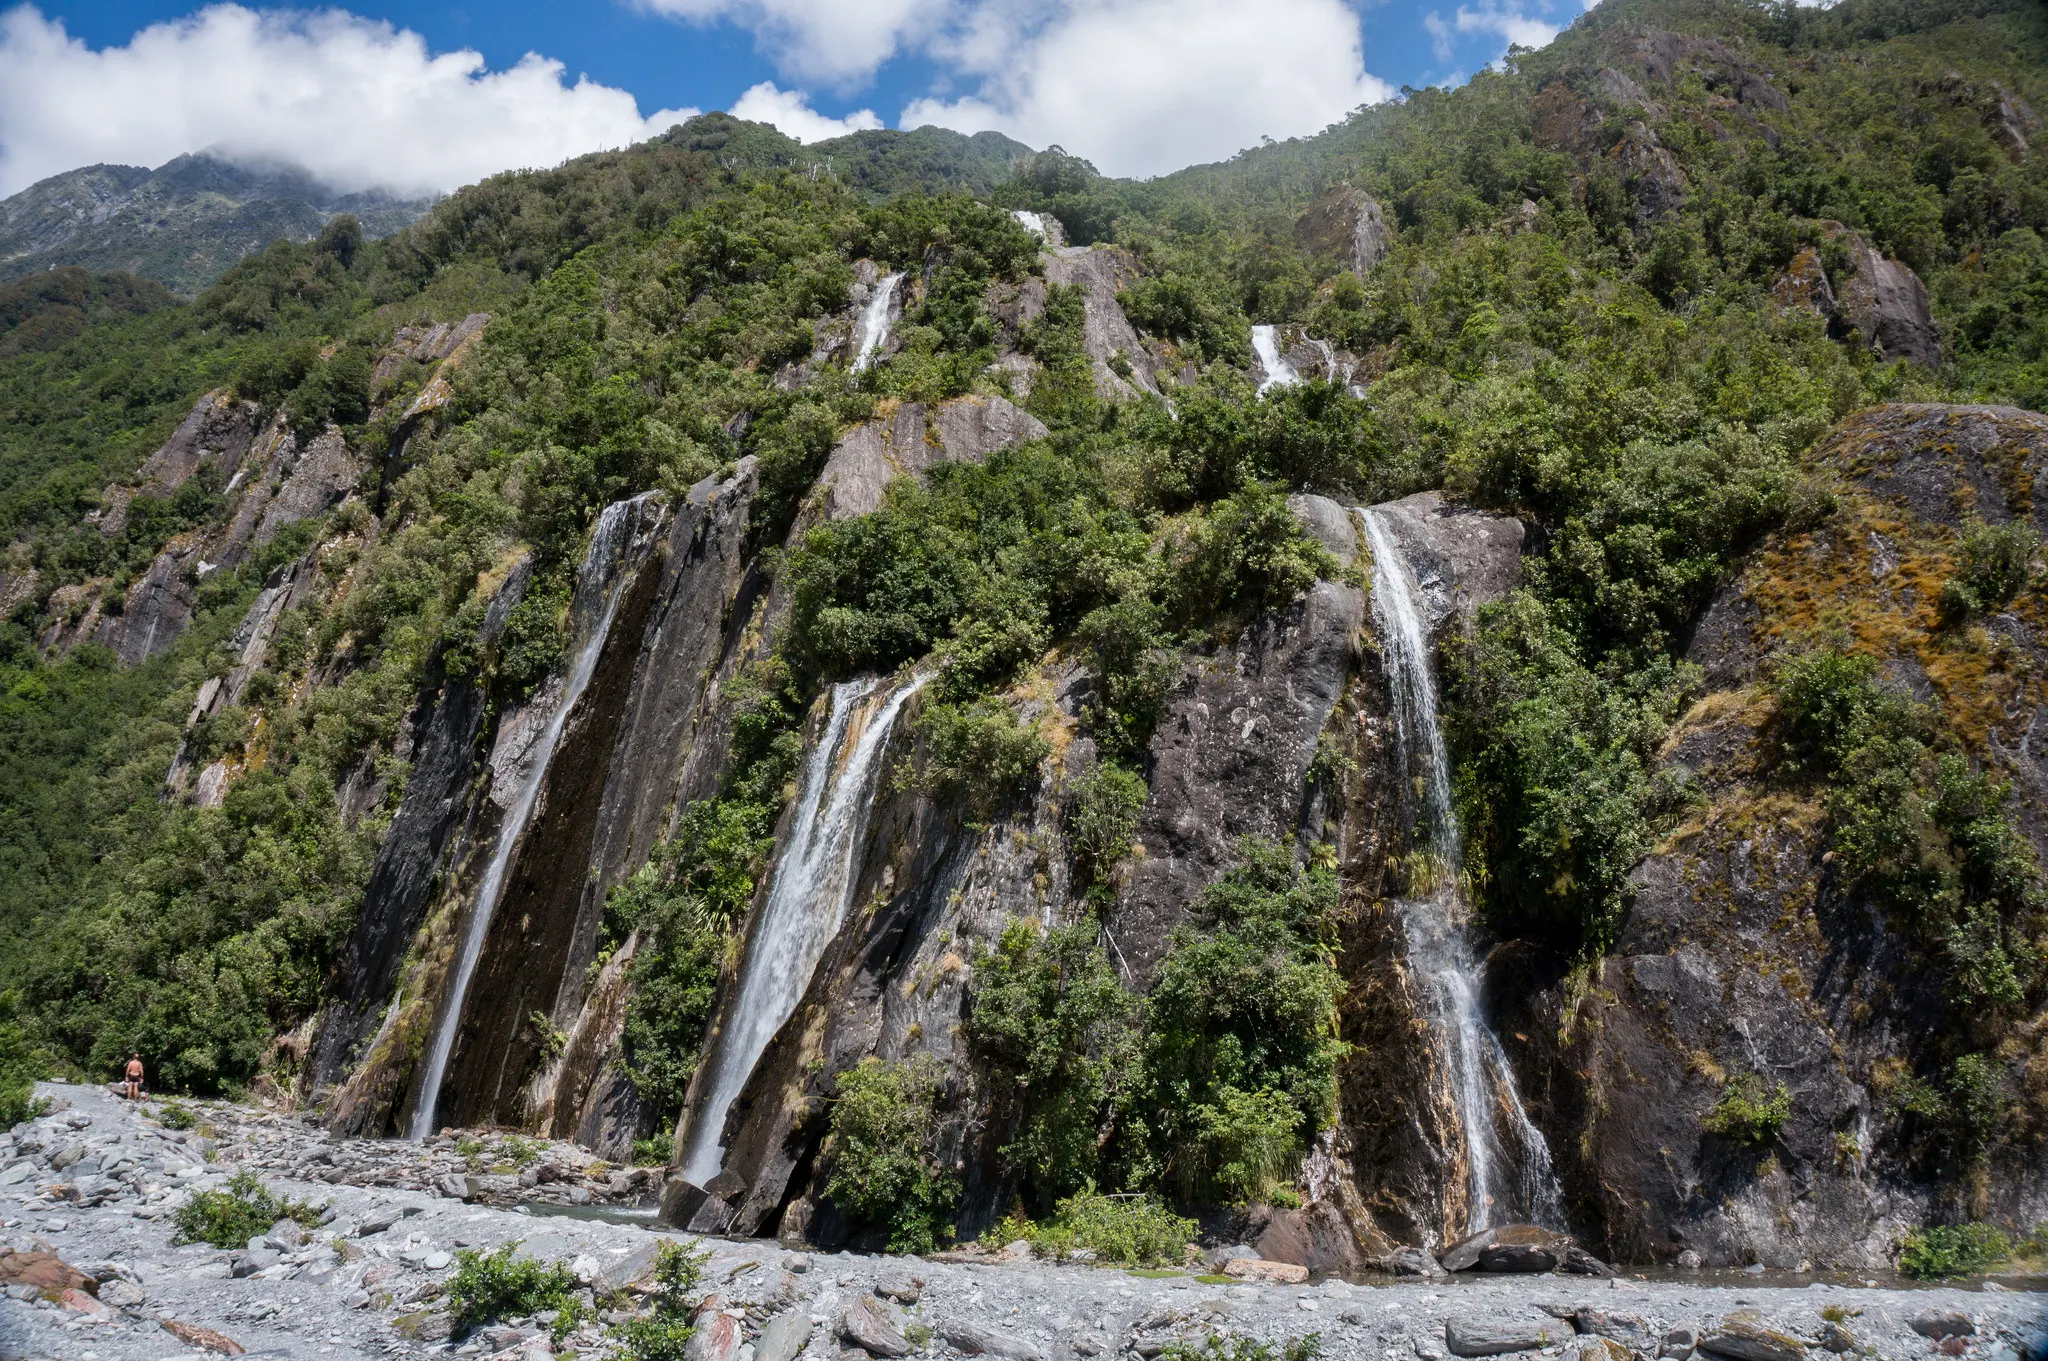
(639, 1216)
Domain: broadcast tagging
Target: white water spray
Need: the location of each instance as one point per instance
(1273, 366)
(599, 584)
(873, 331)
(1482, 1083)
(1031, 222)
(808, 896)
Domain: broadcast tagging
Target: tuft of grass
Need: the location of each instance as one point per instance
(1749, 1112)
(230, 1218)
(497, 1284)
(1124, 1230)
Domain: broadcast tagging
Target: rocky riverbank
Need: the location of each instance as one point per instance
(88, 1194)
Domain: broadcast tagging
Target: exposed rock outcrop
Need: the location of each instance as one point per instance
(1235, 741)
(912, 439)
(1348, 224)
(1885, 300)
(1653, 174)
(1564, 120)
(1100, 272)
(1745, 956)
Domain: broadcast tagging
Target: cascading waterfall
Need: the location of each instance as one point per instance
(1482, 1084)
(809, 892)
(1030, 222)
(1272, 364)
(599, 584)
(1339, 373)
(873, 331)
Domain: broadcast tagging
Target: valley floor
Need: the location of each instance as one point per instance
(367, 1282)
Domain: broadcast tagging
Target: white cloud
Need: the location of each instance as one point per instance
(838, 41)
(1142, 87)
(1439, 34)
(1522, 29)
(791, 112)
(359, 103)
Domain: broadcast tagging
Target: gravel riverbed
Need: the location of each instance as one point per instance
(95, 1183)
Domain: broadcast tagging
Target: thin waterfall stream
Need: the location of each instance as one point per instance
(1272, 364)
(872, 332)
(810, 889)
(599, 584)
(1503, 1188)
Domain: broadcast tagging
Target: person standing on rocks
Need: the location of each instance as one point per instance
(134, 1078)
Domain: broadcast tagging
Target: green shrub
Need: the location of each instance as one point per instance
(885, 1169)
(1749, 1112)
(1060, 1036)
(981, 752)
(499, 1284)
(663, 1334)
(1130, 1230)
(1242, 1049)
(1953, 1250)
(1993, 564)
(176, 1115)
(230, 1218)
(1102, 819)
(21, 1064)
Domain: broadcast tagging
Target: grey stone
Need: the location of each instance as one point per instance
(1348, 224)
(287, 1234)
(1508, 1248)
(457, 1186)
(1410, 1262)
(1943, 1323)
(1680, 1342)
(1498, 1337)
(1631, 1329)
(914, 439)
(783, 1336)
(873, 1326)
(972, 1340)
(67, 1156)
(900, 1286)
(120, 1294)
(243, 1264)
(1750, 1340)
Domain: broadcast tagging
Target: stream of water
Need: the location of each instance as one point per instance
(599, 584)
(1504, 1187)
(873, 330)
(809, 891)
(1274, 369)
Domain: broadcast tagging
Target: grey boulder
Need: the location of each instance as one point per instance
(971, 1340)
(1497, 1337)
(783, 1337)
(872, 1326)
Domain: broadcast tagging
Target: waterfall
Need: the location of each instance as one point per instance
(873, 331)
(1272, 364)
(1482, 1084)
(599, 584)
(809, 891)
(1031, 222)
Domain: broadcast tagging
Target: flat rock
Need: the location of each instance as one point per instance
(1278, 1273)
(1630, 1329)
(201, 1339)
(44, 1271)
(870, 1325)
(1410, 1262)
(900, 1286)
(1492, 1337)
(1749, 1340)
(1941, 1323)
(970, 1340)
(783, 1337)
(1508, 1247)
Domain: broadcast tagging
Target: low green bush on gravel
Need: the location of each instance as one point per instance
(230, 1218)
(497, 1284)
(1965, 1249)
(1127, 1230)
(664, 1334)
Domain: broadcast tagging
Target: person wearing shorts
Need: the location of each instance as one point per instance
(134, 1077)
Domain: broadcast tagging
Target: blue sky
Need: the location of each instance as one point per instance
(371, 90)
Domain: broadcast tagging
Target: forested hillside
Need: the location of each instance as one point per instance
(1679, 305)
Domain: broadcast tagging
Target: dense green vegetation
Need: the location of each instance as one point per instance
(500, 1284)
(1132, 1230)
(1544, 339)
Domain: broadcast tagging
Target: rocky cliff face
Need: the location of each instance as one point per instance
(1744, 952)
